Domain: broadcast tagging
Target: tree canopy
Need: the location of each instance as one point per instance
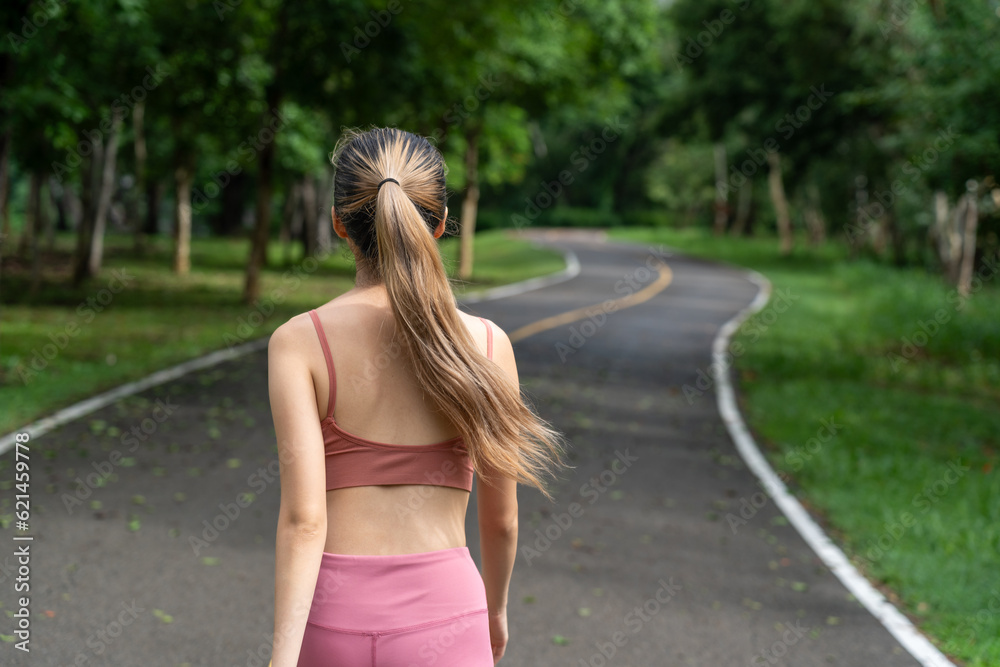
(872, 121)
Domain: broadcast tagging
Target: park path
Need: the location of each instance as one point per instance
(637, 562)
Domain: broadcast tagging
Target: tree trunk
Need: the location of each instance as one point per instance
(307, 191)
(233, 201)
(857, 233)
(896, 238)
(953, 240)
(939, 232)
(815, 221)
(139, 189)
(183, 179)
(291, 224)
(968, 260)
(721, 191)
(882, 232)
(777, 190)
(889, 236)
(107, 188)
(154, 194)
(262, 224)
(324, 225)
(4, 186)
(27, 245)
(51, 224)
(85, 230)
(40, 224)
(469, 205)
(743, 203)
(265, 169)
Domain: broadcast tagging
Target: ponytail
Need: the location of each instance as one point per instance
(503, 436)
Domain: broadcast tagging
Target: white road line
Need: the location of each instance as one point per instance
(894, 621)
(572, 270)
(94, 403)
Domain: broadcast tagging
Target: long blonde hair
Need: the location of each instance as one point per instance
(392, 227)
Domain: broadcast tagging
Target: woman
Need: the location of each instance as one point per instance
(385, 402)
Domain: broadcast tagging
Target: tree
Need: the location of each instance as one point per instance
(776, 73)
(290, 35)
(205, 101)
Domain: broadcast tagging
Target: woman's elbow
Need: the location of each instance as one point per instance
(303, 524)
(500, 527)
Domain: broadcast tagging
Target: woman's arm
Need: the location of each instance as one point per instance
(301, 531)
(497, 509)
(496, 506)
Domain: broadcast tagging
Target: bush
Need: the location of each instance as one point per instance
(567, 216)
(649, 218)
(571, 216)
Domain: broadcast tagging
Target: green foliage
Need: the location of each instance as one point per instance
(534, 85)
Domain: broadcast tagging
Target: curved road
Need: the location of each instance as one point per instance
(637, 562)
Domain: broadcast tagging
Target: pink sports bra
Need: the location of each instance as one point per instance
(355, 461)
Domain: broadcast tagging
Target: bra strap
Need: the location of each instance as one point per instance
(489, 339)
(329, 362)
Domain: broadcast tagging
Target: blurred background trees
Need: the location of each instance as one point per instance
(873, 123)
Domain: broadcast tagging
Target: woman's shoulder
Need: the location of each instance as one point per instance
(471, 319)
(503, 351)
(288, 333)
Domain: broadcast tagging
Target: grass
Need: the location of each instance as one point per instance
(89, 340)
(906, 375)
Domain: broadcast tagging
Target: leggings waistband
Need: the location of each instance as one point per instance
(369, 593)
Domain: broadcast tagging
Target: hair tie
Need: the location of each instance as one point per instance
(383, 181)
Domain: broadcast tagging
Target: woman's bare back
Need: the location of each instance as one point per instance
(378, 399)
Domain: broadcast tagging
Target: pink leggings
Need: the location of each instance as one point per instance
(403, 610)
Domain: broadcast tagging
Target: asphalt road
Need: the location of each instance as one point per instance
(637, 562)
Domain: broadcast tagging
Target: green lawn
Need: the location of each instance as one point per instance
(909, 374)
(159, 319)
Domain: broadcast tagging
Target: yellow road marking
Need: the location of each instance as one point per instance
(553, 321)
